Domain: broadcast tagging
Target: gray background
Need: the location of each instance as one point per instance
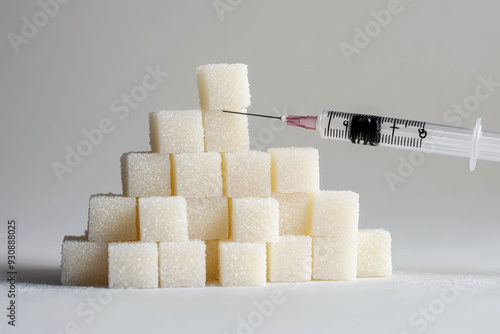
(442, 217)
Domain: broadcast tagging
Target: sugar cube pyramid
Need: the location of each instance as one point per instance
(202, 207)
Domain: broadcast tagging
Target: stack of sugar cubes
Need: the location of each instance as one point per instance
(201, 206)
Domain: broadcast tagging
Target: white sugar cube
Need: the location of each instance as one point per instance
(334, 259)
(176, 131)
(294, 169)
(295, 213)
(112, 218)
(254, 219)
(374, 253)
(182, 264)
(133, 265)
(335, 213)
(225, 132)
(212, 259)
(84, 262)
(247, 174)
(242, 264)
(145, 174)
(197, 175)
(163, 219)
(290, 259)
(208, 218)
(223, 86)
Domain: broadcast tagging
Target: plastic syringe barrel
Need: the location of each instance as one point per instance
(404, 134)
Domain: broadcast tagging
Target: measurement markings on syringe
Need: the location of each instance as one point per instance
(336, 133)
(370, 129)
(405, 139)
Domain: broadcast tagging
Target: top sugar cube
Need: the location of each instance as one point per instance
(223, 86)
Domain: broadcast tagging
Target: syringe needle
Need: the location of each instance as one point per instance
(248, 114)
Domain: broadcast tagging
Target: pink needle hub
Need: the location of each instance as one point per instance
(306, 122)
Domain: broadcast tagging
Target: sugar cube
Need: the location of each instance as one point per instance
(294, 169)
(176, 131)
(225, 132)
(289, 259)
(247, 174)
(197, 175)
(145, 174)
(242, 264)
(334, 258)
(84, 262)
(223, 86)
(212, 259)
(163, 219)
(182, 264)
(133, 265)
(295, 213)
(254, 219)
(335, 213)
(112, 218)
(208, 218)
(374, 253)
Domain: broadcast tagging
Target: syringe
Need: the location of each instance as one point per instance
(400, 133)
